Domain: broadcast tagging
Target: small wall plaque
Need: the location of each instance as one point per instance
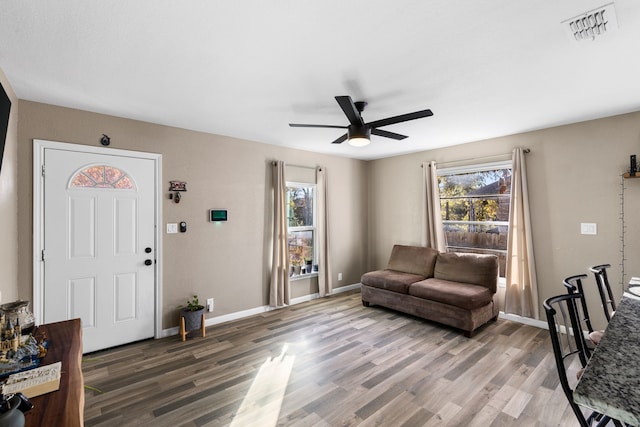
(177, 187)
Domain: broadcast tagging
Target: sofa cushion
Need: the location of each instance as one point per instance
(461, 295)
(477, 269)
(413, 259)
(391, 280)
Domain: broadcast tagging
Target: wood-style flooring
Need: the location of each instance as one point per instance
(330, 362)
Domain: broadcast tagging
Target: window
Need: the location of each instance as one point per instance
(102, 176)
(475, 201)
(301, 221)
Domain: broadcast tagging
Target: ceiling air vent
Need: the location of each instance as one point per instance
(592, 24)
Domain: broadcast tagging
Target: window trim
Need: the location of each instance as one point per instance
(472, 168)
(476, 167)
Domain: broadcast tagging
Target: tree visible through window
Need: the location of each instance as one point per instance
(475, 203)
(301, 225)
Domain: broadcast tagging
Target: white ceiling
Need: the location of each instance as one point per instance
(247, 68)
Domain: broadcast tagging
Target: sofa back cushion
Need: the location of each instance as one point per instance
(413, 259)
(477, 269)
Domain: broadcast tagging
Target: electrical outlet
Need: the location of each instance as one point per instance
(210, 305)
(339, 277)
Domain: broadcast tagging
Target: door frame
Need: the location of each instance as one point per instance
(39, 147)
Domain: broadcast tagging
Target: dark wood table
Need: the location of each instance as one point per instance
(64, 407)
(610, 383)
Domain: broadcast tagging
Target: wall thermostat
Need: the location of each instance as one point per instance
(216, 215)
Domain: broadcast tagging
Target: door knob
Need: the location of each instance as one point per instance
(148, 262)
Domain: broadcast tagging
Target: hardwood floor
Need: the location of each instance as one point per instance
(330, 362)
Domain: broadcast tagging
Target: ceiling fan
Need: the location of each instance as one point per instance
(358, 132)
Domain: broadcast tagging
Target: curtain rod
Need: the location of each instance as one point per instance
(525, 150)
(303, 167)
(273, 163)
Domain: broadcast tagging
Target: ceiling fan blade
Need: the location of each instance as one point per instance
(301, 125)
(350, 110)
(400, 118)
(388, 134)
(340, 140)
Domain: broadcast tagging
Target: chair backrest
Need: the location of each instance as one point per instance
(574, 286)
(604, 289)
(568, 340)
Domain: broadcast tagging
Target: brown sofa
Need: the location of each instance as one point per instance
(454, 289)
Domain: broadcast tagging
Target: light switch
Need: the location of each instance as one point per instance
(172, 228)
(588, 228)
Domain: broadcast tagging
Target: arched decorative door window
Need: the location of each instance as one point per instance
(102, 176)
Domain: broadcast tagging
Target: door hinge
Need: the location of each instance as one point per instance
(42, 255)
(43, 170)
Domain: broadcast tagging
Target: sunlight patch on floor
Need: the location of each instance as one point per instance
(261, 406)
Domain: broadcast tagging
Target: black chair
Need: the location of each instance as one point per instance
(574, 285)
(604, 289)
(563, 317)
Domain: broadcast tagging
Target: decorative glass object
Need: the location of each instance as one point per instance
(19, 314)
(19, 349)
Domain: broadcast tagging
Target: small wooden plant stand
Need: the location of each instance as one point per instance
(184, 332)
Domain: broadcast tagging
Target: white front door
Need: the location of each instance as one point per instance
(99, 245)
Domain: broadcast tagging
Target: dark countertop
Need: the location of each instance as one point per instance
(611, 382)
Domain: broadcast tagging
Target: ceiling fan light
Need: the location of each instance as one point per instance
(359, 136)
(358, 141)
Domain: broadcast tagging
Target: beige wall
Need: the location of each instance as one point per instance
(574, 176)
(9, 205)
(226, 261)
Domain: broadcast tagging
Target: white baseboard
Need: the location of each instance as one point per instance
(263, 309)
(345, 288)
(257, 310)
(524, 320)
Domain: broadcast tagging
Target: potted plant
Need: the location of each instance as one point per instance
(296, 262)
(192, 314)
(297, 268)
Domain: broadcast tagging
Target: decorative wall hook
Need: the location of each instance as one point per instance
(177, 187)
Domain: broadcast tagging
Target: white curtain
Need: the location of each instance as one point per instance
(279, 291)
(433, 232)
(324, 268)
(521, 295)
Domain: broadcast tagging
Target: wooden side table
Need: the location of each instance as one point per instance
(64, 407)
